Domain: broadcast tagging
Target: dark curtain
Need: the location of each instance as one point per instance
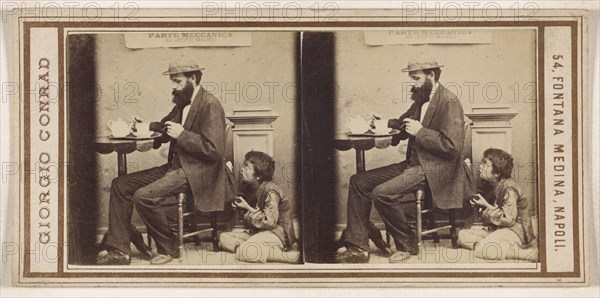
(318, 155)
(81, 168)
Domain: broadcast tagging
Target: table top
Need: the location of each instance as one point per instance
(106, 144)
(344, 141)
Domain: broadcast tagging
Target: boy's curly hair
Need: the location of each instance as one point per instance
(502, 162)
(264, 165)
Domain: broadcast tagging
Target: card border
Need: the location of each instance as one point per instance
(576, 47)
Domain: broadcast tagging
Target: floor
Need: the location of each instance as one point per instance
(431, 253)
(204, 254)
(438, 253)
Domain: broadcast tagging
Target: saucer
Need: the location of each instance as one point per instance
(381, 132)
(145, 135)
(131, 136)
(370, 133)
(119, 136)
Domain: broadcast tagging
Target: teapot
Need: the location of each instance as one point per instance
(357, 125)
(119, 128)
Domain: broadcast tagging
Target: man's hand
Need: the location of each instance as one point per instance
(174, 129)
(412, 126)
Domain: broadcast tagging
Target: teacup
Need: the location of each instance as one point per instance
(381, 127)
(143, 129)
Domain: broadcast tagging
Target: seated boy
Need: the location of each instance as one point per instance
(509, 232)
(271, 233)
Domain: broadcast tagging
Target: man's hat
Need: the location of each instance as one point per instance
(182, 66)
(420, 63)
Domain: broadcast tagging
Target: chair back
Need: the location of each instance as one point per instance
(468, 158)
(468, 212)
(228, 142)
(468, 141)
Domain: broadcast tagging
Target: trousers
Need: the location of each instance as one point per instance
(383, 187)
(145, 190)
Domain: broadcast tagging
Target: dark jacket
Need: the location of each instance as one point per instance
(439, 146)
(201, 148)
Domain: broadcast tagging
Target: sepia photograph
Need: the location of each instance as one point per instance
(195, 131)
(339, 149)
(436, 126)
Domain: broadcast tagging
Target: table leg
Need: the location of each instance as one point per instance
(360, 161)
(122, 163)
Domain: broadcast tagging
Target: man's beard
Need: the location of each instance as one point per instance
(421, 94)
(183, 97)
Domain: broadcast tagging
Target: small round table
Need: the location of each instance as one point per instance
(123, 146)
(362, 143)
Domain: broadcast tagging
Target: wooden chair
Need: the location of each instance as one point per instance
(187, 210)
(425, 211)
(188, 221)
(189, 229)
(424, 204)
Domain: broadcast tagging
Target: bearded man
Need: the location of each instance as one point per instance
(195, 129)
(434, 127)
